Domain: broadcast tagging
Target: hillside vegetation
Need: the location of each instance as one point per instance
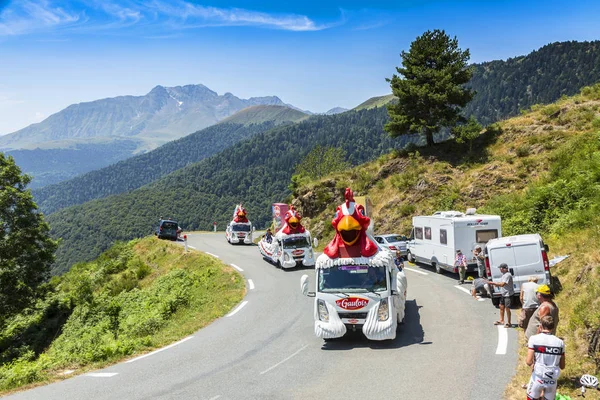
(256, 172)
(258, 114)
(135, 297)
(539, 171)
(140, 170)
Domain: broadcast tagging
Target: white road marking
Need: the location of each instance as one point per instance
(480, 299)
(159, 350)
(502, 340)
(417, 271)
(236, 267)
(102, 374)
(215, 398)
(238, 308)
(211, 254)
(284, 360)
(191, 247)
(467, 291)
(250, 284)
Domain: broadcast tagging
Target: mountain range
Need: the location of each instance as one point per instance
(120, 127)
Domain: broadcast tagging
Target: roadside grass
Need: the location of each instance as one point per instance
(136, 297)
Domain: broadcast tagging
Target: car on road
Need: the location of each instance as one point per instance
(393, 242)
(167, 229)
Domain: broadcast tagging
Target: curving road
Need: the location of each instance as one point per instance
(266, 349)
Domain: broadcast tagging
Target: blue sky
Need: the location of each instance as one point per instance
(314, 55)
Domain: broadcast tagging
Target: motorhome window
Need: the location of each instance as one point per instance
(443, 236)
(483, 236)
(240, 228)
(427, 233)
(419, 233)
(295, 242)
(352, 279)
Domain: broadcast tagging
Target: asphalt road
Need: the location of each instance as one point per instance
(266, 349)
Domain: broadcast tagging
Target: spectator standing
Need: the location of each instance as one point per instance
(269, 235)
(461, 263)
(480, 258)
(547, 307)
(399, 260)
(546, 356)
(507, 290)
(529, 301)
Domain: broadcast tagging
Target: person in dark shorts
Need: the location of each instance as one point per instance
(507, 290)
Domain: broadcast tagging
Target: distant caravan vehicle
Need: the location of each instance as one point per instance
(239, 230)
(167, 229)
(436, 238)
(291, 245)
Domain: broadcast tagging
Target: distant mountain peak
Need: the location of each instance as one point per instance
(336, 110)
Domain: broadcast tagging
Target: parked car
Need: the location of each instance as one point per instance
(167, 229)
(393, 242)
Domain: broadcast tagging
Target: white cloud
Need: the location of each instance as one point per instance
(38, 117)
(24, 17)
(6, 100)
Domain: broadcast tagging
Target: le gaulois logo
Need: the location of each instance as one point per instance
(352, 303)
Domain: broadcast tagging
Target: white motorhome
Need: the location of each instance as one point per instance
(367, 294)
(525, 255)
(436, 238)
(288, 251)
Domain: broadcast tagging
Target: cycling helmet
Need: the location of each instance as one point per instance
(589, 381)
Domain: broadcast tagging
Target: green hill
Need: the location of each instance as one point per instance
(135, 297)
(256, 171)
(539, 171)
(374, 102)
(263, 113)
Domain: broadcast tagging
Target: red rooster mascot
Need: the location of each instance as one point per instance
(239, 215)
(292, 222)
(350, 224)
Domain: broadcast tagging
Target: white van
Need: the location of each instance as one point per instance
(435, 238)
(525, 255)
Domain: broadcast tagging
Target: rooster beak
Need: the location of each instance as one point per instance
(293, 222)
(349, 229)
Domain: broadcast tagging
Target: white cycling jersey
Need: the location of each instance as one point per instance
(546, 368)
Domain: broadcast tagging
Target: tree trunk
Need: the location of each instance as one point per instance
(429, 137)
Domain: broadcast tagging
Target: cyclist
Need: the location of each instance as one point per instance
(546, 356)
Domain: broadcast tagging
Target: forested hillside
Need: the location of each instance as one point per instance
(51, 166)
(504, 88)
(140, 170)
(256, 172)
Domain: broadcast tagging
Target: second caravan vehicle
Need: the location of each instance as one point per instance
(435, 238)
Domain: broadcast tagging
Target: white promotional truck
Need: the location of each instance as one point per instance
(358, 286)
(288, 251)
(291, 245)
(436, 238)
(366, 294)
(239, 229)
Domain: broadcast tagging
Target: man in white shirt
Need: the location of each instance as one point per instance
(529, 301)
(546, 356)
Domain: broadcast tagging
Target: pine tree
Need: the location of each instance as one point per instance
(430, 92)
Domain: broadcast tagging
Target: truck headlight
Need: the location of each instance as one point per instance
(323, 313)
(286, 257)
(383, 313)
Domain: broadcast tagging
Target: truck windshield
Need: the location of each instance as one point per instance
(240, 228)
(352, 278)
(295, 242)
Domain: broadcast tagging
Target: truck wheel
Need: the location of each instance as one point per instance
(437, 267)
(410, 257)
(278, 265)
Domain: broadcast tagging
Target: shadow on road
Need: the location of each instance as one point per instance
(409, 333)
